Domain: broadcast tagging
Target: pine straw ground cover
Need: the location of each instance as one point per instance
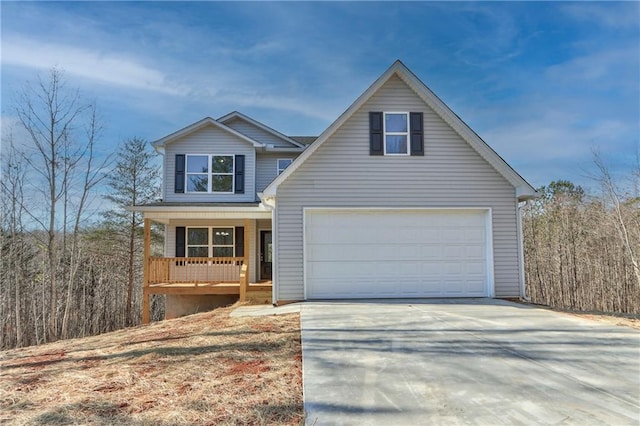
(203, 369)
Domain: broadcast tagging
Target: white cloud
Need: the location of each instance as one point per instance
(104, 67)
(614, 15)
(615, 66)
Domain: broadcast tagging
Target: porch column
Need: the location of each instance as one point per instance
(146, 308)
(244, 284)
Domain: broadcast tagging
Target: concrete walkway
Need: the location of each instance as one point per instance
(465, 362)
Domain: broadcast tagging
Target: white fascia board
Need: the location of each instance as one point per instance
(269, 148)
(167, 213)
(160, 143)
(259, 208)
(237, 114)
(524, 193)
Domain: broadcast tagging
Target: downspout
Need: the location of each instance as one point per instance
(523, 287)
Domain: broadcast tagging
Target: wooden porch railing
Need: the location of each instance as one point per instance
(162, 272)
(194, 270)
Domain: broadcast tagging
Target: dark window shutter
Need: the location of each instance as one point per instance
(376, 134)
(416, 133)
(180, 241)
(179, 182)
(239, 183)
(239, 241)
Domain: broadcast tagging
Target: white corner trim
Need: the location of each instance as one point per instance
(491, 285)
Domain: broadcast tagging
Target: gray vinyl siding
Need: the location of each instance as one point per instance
(257, 133)
(209, 140)
(267, 168)
(341, 173)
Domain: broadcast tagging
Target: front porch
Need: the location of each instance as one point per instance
(185, 272)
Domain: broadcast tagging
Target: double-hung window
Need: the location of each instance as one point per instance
(396, 133)
(210, 241)
(198, 242)
(197, 173)
(210, 173)
(222, 242)
(283, 163)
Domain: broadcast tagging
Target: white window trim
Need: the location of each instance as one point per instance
(187, 173)
(385, 133)
(210, 238)
(279, 170)
(187, 245)
(210, 174)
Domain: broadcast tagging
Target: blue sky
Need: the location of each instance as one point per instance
(542, 83)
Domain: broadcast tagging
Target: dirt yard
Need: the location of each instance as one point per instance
(206, 369)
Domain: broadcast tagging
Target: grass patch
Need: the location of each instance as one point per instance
(202, 369)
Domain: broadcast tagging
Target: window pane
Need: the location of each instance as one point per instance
(223, 252)
(198, 236)
(222, 164)
(197, 164)
(222, 236)
(396, 144)
(283, 164)
(222, 183)
(197, 183)
(198, 252)
(395, 123)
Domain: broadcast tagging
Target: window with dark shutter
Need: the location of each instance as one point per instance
(180, 241)
(239, 174)
(179, 180)
(239, 241)
(417, 133)
(376, 135)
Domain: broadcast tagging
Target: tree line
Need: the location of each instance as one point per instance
(582, 251)
(68, 268)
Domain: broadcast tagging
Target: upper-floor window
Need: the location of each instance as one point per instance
(210, 173)
(283, 163)
(396, 133)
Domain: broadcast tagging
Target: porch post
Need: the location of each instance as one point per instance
(244, 284)
(146, 308)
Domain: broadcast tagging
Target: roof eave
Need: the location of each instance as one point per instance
(162, 142)
(238, 114)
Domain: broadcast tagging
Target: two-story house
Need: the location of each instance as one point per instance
(398, 198)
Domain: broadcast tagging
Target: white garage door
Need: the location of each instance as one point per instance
(395, 253)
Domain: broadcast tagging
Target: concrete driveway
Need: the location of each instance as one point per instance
(465, 362)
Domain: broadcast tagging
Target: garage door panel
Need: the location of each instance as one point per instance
(387, 253)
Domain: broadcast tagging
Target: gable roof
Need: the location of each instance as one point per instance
(524, 190)
(241, 116)
(207, 121)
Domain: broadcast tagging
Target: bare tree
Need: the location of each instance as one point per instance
(12, 245)
(614, 195)
(52, 116)
(577, 248)
(91, 174)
